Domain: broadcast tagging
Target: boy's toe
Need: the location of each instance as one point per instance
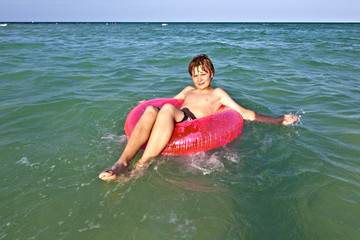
(107, 175)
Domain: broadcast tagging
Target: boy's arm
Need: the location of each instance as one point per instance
(226, 100)
(182, 94)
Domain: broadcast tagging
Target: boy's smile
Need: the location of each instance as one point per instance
(202, 78)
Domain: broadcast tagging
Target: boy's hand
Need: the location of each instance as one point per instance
(288, 119)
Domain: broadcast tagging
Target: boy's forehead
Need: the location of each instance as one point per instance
(199, 69)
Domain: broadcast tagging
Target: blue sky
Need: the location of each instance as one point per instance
(181, 10)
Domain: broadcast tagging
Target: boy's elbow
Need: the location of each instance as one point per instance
(249, 115)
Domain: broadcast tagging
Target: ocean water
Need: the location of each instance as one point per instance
(65, 92)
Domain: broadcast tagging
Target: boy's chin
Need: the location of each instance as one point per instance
(202, 87)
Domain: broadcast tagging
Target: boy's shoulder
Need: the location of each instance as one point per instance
(188, 88)
(184, 92)
(219, 91)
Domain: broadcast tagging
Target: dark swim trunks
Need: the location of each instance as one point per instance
(188, 115)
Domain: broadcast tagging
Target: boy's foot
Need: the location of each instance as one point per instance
(113, 173)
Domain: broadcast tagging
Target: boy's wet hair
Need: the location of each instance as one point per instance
(202, 61)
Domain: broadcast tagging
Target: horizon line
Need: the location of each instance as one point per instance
(173, 22)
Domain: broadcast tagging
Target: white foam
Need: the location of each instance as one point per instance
(25, 161)
(204, 163)
(232, 157)
(115, 138)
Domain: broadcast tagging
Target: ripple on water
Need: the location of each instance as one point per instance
(66, 90)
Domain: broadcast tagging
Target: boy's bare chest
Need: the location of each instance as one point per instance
(201, 99)
(201, 104)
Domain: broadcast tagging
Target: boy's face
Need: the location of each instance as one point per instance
(202, 78)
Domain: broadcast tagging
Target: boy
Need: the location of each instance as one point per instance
(156, 125)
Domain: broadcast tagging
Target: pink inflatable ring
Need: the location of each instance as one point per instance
(198, 135)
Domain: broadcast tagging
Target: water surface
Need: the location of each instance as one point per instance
(65, 92)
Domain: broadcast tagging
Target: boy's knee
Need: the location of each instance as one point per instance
(168, 107)
(151, 110)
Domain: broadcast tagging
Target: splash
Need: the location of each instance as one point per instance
(299, 113)
(115, 138)
(202, 162)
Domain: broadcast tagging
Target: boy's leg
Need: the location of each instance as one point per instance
(137, 139)
(161, 133)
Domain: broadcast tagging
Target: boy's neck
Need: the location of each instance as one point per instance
(205, 89)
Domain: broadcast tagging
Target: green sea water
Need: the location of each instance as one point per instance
(65, 92)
